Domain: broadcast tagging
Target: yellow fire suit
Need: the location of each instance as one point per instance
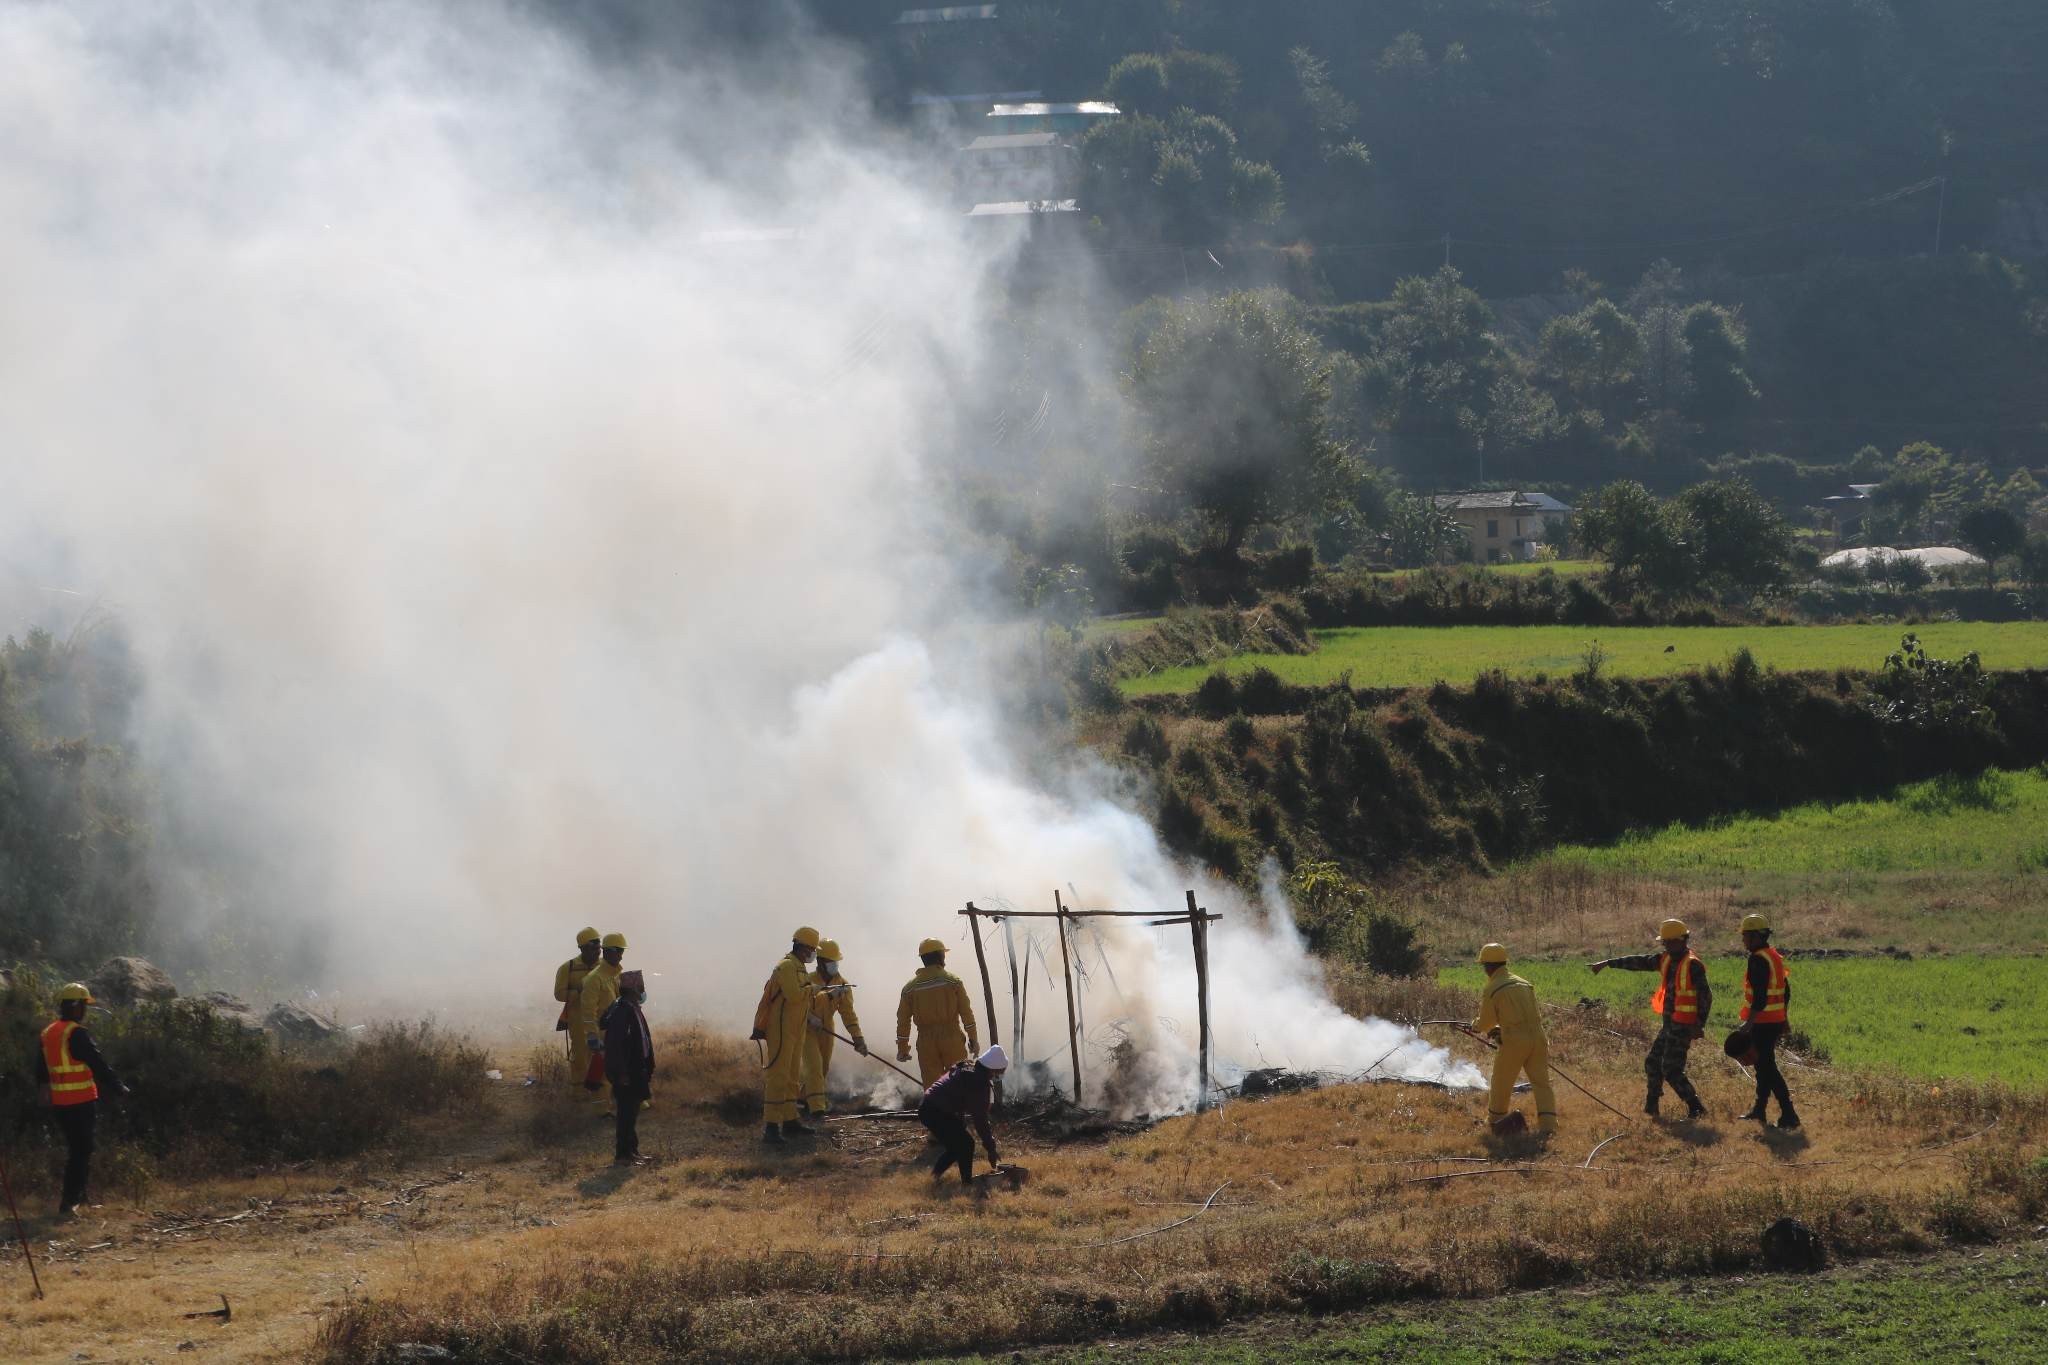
(600, 988)
(831, 999)
(937, 1001)
(569, 990)
(1509, 1003)
(785, 1004)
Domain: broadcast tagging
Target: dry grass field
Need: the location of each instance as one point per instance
(511, 1237)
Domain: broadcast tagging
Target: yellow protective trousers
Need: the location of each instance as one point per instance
(1516, 1056)
(785, 1004)
(817, 1066)
(938, 1050)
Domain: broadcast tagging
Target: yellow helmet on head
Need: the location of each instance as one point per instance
(1672, 929)
(930, 945)
(828, 950)
(77, 990)
(1755, 923)
(615, 940)
(1493, 952)
(806, 936)
(585, 935)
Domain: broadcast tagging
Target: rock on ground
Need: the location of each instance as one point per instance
(294, 1023)
(122, 982)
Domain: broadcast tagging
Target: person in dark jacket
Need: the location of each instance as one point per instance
(628, 1064)
(74, 1076)
(959, 1095)
(1766, 1003)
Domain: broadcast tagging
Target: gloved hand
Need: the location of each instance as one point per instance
(125, 1091)
(1494, 1033)
(860, 1045)
(594, 1043)
(815, 1022)
(757, 1036)
(902, 1052)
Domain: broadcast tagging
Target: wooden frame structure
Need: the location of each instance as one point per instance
(1195, 917)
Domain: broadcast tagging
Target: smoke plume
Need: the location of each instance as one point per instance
(514, 470)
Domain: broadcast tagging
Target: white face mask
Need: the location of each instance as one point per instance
(829, 968)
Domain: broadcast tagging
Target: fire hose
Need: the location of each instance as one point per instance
(1555, 1069)
(873, 1058)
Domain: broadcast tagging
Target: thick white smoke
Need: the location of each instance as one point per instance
(510, 547)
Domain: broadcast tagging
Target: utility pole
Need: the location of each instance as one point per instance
(1940, 212)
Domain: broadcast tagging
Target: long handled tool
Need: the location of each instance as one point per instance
(883, 1060)
(1555, 1069)
(20, 1231)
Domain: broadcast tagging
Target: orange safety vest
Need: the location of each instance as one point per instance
(1773, 1011)
(71, 1080)
(1685, 1005)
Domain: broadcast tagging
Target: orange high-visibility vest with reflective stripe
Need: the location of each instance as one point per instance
(71, 1080)
(1775, 995)
(1685, 1005)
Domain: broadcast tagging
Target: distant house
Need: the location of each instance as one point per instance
(1848, 508)
(1036, 117)
(1016, 167)
(1506, 525)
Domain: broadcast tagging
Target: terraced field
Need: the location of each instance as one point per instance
(1414, 656)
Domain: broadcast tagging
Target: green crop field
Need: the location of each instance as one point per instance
(1995, 821)
(1977, 1018)
(1413, 656)
(1976, 1306)
(1564, 568)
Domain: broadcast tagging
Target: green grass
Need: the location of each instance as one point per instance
(1955, 1307)
(1995, 821)
(1564, 568)
(1413, 656)
(1977, 1018)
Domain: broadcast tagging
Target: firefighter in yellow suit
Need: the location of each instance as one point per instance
(1508, 1004)
(936, 1000)
(569, 990)
(781, 1024)
(600, 988)
(831, 1000)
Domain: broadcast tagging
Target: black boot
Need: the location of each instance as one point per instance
(772, 1135)
(1788, 1120)
(797, 1128)
(1756, 1113)
(1694, 1109)
(1650, 1106)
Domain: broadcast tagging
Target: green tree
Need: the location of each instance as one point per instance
(1739, 539)
(1991, 533)
(1591, 356)
(1137, 85)
(1419, 532)
(1234, 395)
(1433, 375)
(1645, 542)
(1722, 391)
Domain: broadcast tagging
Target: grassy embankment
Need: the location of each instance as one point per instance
(1414, 656)
(1954, 865)
(1937, 1018)
(1952, 1307)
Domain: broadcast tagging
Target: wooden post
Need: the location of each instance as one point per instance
(988, 994)
(1198, 928)
(1066, 976)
